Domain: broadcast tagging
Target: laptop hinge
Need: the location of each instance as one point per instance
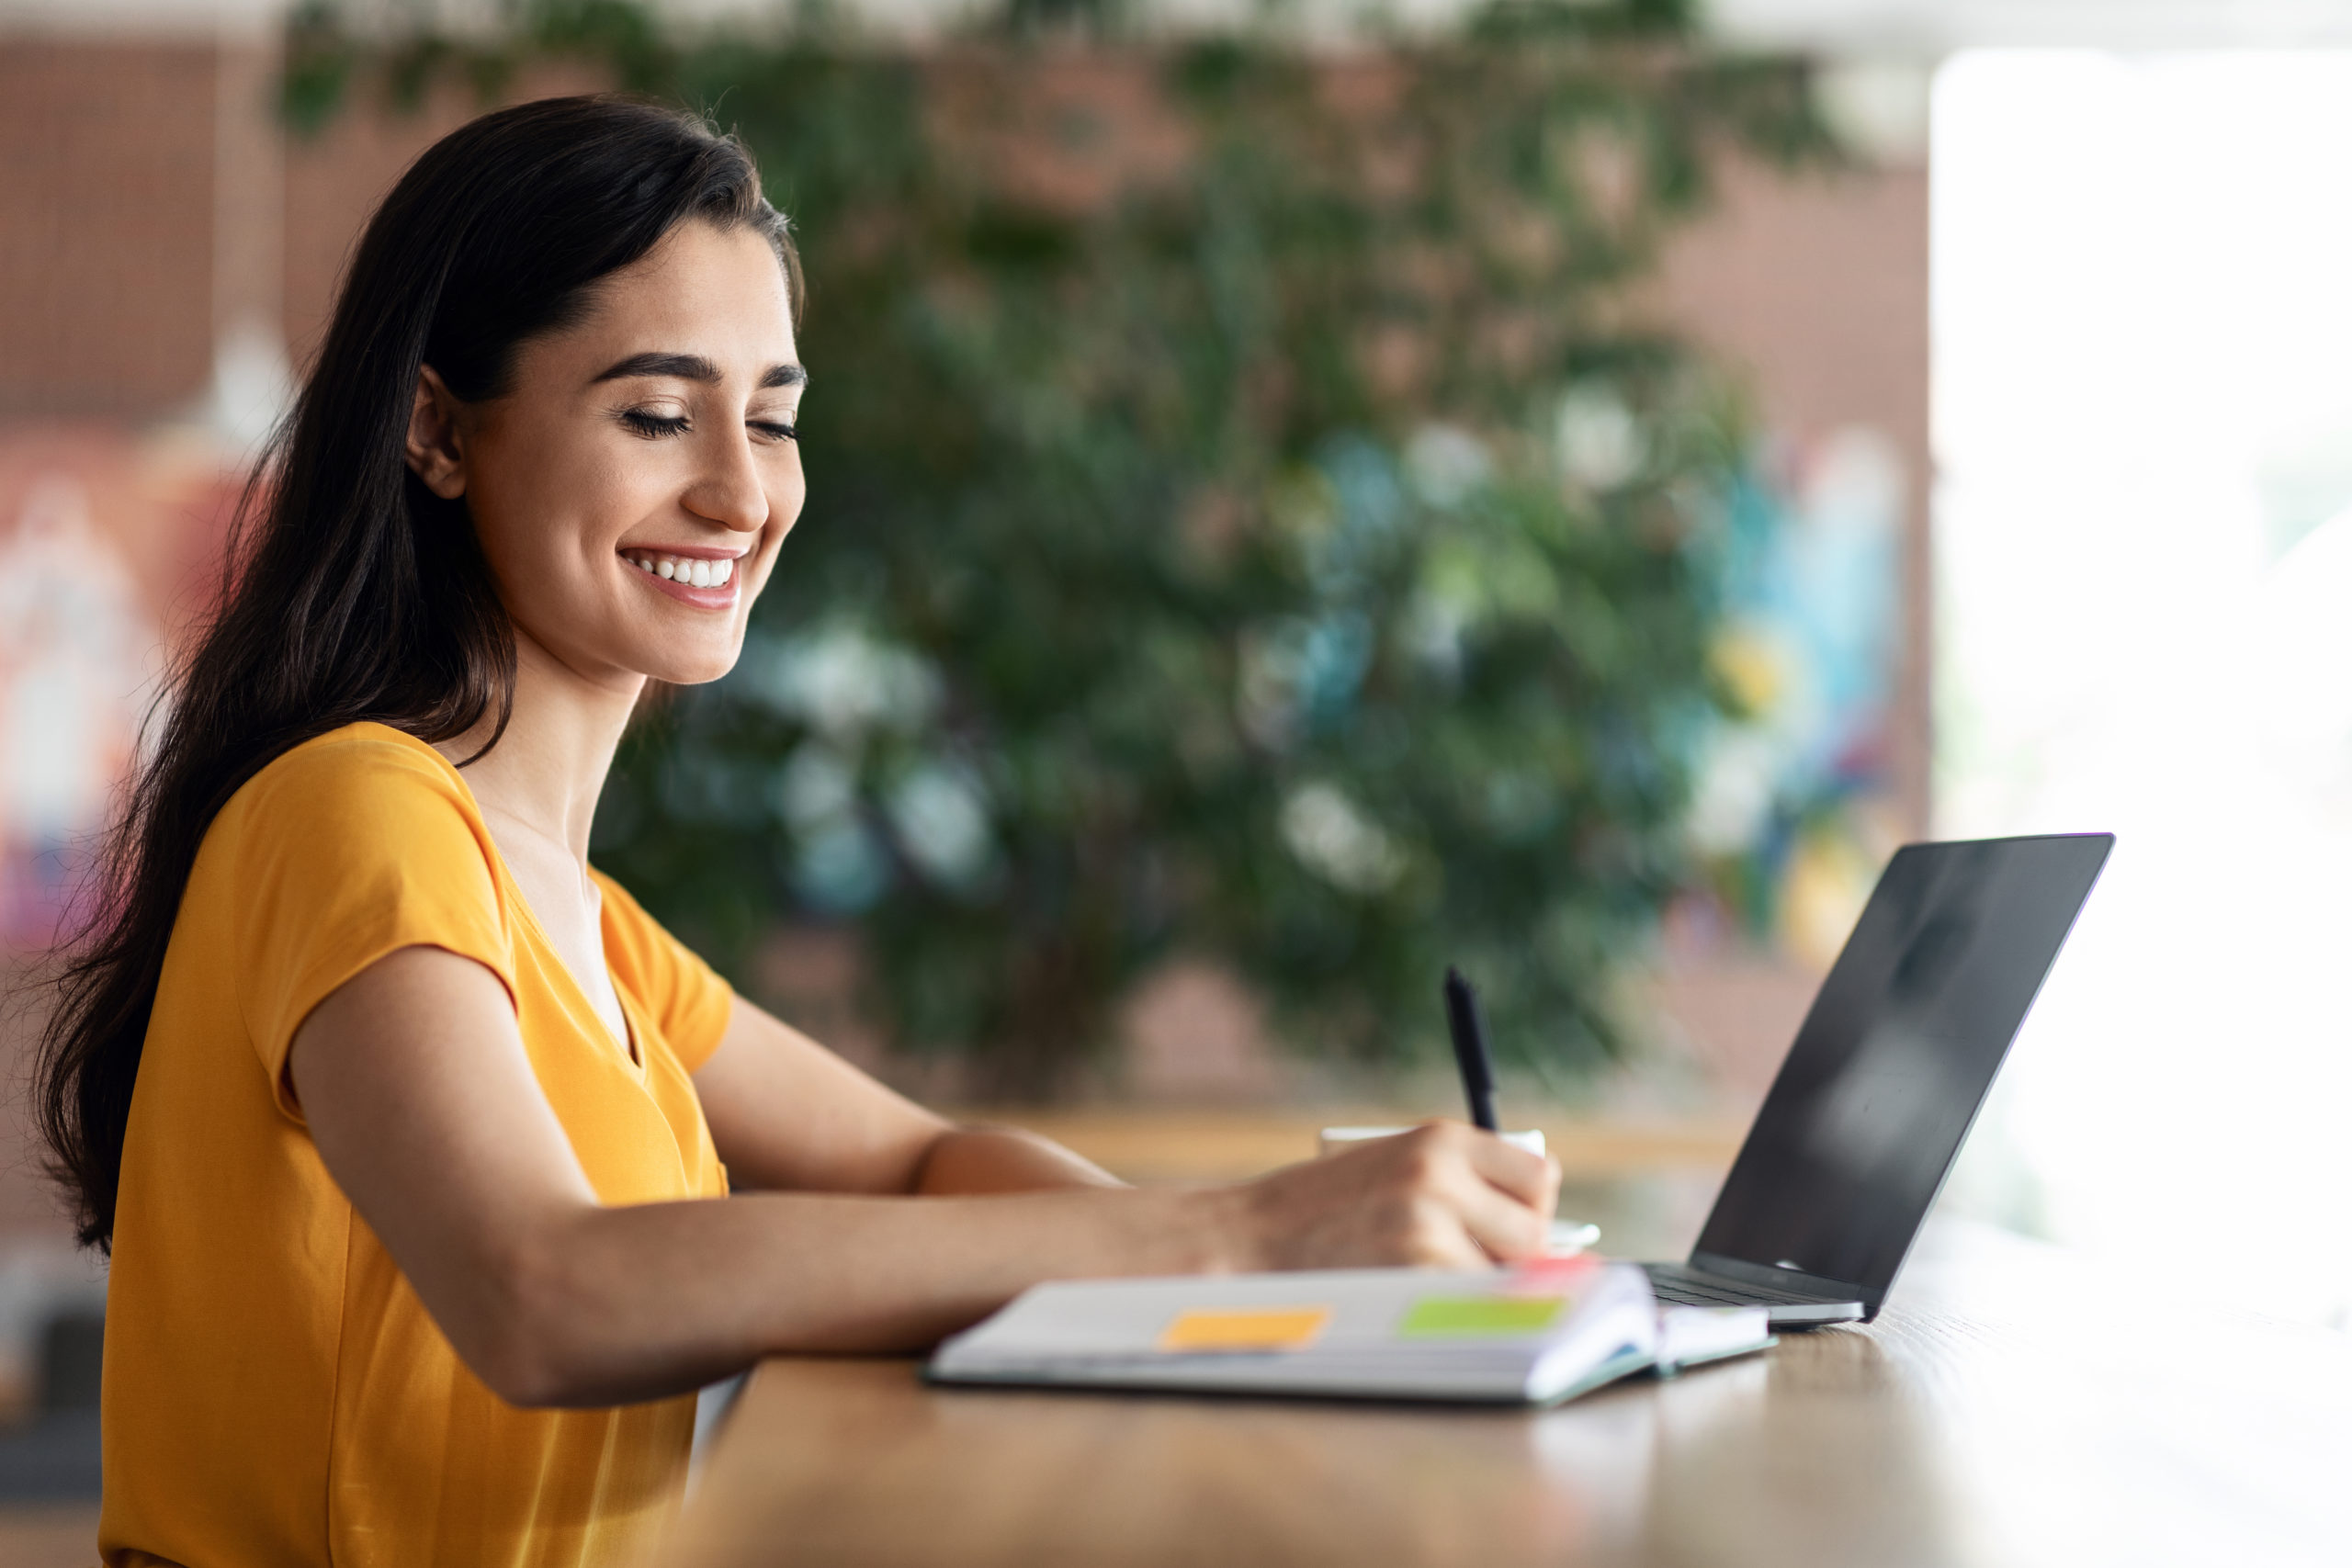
(1789, 1281)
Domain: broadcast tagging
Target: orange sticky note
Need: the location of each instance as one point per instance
(1252, 1328)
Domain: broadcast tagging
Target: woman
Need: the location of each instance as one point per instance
(400, 1122)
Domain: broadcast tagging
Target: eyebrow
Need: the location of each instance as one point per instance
(694, 368)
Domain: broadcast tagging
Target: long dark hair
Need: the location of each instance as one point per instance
(351, 590)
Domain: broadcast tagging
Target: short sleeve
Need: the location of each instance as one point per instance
(341, 853)
(691, 1004)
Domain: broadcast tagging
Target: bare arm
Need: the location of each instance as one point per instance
(789, 1115)
(417, 1090)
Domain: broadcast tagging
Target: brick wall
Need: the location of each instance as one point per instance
(106, 228)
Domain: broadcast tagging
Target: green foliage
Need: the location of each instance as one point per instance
(1241, 520)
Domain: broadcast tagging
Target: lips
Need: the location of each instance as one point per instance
(705, 579)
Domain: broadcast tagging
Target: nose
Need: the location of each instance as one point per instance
(728, 492)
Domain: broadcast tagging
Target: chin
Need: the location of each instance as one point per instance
(686, 670)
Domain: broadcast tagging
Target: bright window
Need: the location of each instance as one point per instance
(2142, 330)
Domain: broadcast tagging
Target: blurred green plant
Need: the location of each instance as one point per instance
(1244, 521)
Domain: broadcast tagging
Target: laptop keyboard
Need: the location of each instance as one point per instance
(1672, 1282)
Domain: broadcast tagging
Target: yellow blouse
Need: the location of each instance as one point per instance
(274, 1392)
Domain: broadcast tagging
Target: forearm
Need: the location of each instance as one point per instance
(422, 1099)
(637, 1303)
(977, 1160)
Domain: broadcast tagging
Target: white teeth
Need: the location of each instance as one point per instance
(694, 573)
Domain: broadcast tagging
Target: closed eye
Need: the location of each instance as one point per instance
(653, 426)
(777, 430)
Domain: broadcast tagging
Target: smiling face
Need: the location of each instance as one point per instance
(631, 488)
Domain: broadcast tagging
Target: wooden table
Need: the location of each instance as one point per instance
(1148, 1144)
(2013, 1406)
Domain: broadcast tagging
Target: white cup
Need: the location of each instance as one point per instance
(1330, 1140)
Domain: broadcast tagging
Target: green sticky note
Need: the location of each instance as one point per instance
(1478, 1318)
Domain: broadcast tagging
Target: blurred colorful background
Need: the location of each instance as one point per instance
(1236, 586)
(1303, 497)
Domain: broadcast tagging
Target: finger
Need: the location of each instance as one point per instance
(1501, 1225)
(1441, 1239)
(1548, 1204)
(1531, 1178)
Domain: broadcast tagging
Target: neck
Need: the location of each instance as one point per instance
(548, 769)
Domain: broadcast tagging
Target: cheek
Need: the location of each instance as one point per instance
(787, 486)
(549, 513)
(790, 496)
(787, 493)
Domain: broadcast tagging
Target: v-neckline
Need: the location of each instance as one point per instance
(632, 1050)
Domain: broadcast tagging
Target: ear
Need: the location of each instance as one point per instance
(436, 447)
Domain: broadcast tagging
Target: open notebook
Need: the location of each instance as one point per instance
(1535, 1334)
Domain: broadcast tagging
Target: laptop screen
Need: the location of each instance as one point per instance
(1892, 1062)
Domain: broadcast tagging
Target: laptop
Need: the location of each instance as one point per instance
(1887, 1073)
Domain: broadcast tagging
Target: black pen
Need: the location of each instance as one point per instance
(1470, 1049)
